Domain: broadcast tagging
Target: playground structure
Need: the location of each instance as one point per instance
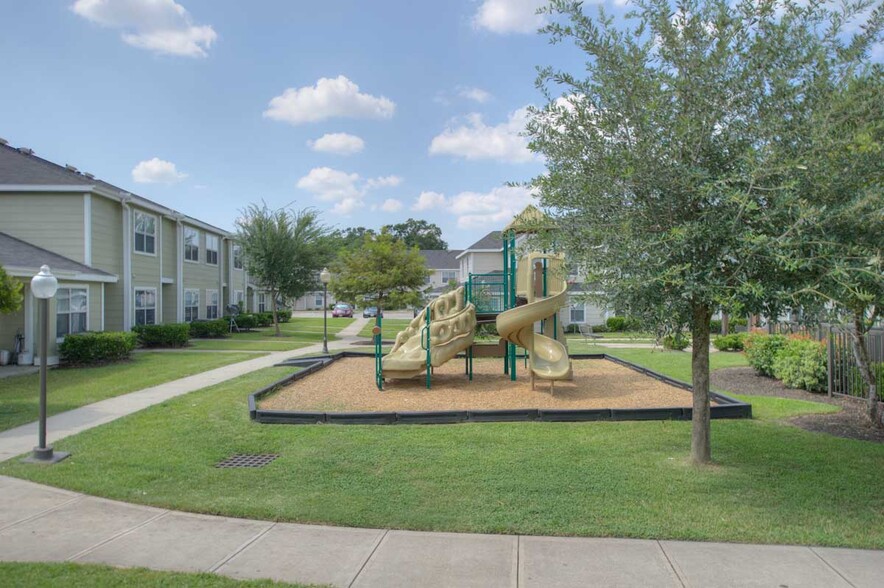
(530, 290)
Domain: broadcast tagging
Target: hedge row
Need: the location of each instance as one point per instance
(93, 348)
(168, 335)
(732, 342)
(261, 319)
(797, 361)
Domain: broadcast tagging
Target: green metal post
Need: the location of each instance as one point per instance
(429, 362)
(378, 348)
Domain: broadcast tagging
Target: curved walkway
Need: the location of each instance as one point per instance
(41, 523)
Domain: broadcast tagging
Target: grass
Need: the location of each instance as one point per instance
(233, 344)
(14, 575)
(389, 328)
(297, 333)
(70, 388)
(772, 483)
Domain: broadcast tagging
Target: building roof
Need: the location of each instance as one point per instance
(21, 258)
(20, 167)
(490, 242)
(441, 259)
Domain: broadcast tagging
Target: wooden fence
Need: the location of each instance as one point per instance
(844, 375)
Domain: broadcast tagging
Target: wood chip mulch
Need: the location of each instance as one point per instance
(348, 385)
(850, 423)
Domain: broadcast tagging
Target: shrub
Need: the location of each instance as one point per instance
(209, 329)
(246, 321)
(169, 335)
(92, 348)
(600, 328)
(284, 316)
(801, 363)
(572, 328)
(761, 350)
(265, 319)
(715, 326)
(732, 342)
(739, 322)
(676, 341)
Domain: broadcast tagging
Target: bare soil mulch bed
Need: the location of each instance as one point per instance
(850, 423)
(348, 385)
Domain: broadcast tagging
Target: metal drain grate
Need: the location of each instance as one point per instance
(245, 460)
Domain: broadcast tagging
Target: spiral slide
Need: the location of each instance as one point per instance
(452, 328)
(549, 357)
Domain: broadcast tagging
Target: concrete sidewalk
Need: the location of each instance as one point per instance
(22, 439)
(39, 523)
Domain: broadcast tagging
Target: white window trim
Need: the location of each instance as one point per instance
(217, 293)
(184, 245)
(156, 303)
(156, 239)
(239, 296)
(217, 250)
(184, 303)
(88, 302)
(577, 306)
(242, 261)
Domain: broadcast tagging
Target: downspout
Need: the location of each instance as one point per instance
(159, 250)
(127, 261)
(179, 269)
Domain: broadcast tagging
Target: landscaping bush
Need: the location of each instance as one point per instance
(676, 341)
(209, 329)
(169, 335)
(600, 328)
(801, 363)
(91, 348)
(284, 316)
(732, 342)
(246, 321)
(761, 351)
(265, 319)
(715, 326)
(622, 323)
(572, 329)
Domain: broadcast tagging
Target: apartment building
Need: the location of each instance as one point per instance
(121, 259)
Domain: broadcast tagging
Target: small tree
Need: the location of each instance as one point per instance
(383, 268)
(658, 161)
(284, 250)
(417, 233)
(10, 293)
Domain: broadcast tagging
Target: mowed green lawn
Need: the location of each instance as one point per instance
(28, 575)
(771, 483)
(70, 388)
(297, 333)
(389, 328)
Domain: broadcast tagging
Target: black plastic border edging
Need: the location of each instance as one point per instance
(726, 407)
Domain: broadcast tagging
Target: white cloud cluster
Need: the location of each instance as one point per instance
(337, 143)
(156, 171)
(476, 140)
(328, 98)
(509, 16)
(475, 94)
(477, 209)
(161, 26)
(346, 190)
(391, 205)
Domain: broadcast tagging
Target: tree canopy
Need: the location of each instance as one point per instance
(384, 269)
(659, 173)
(284, 250)
(417, 233)
(10, 293)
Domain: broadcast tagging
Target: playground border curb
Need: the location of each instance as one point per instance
(726, 407)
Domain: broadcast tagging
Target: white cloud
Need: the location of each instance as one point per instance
(391, 205)
(509, 16)
(328, 98)
(339, 143)
(161, 26)
(429, 201)
(156, 171)
(476, 140)
(346, 190)
(477, 209)
(475, 94)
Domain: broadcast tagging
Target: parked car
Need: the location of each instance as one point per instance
(371, 312)
(342, 310)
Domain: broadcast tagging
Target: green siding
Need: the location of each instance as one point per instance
(202, 276)
(51, 221)
(107, 255)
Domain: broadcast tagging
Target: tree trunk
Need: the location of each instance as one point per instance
(273, 310)
(725, 322)
(701, 447)
(861, 354)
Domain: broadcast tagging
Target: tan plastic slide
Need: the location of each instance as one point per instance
(549, 357)
(452, 328)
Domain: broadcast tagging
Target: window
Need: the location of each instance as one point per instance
(238, 298)
(145, 306)
(145, 233)
(212, 249)
(317, 299)
(262, 302)
(578, 313)
(237, 257)
(191, 244)
(72, 305)
(448, 275)
(211, 304)
(191, 305)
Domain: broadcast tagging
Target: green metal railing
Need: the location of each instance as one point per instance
(487, 292)
(378, 352)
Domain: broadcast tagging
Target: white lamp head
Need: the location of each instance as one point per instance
(44, 285)
(324, 276)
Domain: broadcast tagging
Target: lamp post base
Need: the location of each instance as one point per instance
(45, 455)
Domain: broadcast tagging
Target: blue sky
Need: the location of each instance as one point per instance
(417, 104)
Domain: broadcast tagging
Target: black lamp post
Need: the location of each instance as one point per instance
(44, 286)
(324, 277)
